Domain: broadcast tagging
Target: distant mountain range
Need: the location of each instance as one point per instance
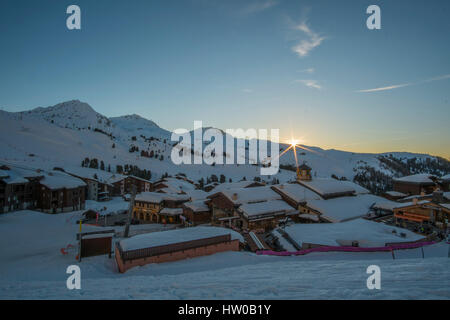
(70, 132)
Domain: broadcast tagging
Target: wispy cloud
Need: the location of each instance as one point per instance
(306, 45)
(309, 70)
(396, 86)
(258, 6)
(310, 83)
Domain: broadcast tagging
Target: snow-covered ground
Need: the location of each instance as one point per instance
(32, 267)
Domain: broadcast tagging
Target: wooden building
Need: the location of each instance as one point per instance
(224, 205)
(424, 211)
(142, 185)
(60, 192)
(196, 212)
(149, 207)
(18, 188)
(416, 184)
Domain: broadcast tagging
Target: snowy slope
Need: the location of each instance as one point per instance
(68, 132)
(32, 267)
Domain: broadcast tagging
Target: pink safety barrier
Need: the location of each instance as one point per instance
(346, 249)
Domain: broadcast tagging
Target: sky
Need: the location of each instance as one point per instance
(310, 68)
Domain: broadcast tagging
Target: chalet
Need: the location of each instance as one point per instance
(60, 192)
(173, 245)
(415, 184)
(423, 211)
(263, 215)
(156, 207)
(18, 188)
(142, 185)
(224, 204)
(295, 194)
(173, 185)
(196, 212)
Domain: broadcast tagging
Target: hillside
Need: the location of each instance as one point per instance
(69, 132)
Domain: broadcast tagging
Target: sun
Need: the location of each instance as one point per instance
(293, 142)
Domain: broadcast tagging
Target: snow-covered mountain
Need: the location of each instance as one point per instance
(65, 134)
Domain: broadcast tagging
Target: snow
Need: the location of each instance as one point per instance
(387, 205)
(101, 175)
(113, 206)
(271, 207)
(174, 185)
(367, 233)
(416, 178)
(197, 194)
(446, 177)
(64, 134)
(344, 208)
(197, 206)
(331, 187)
(157, 197)
(446, 205)
(396, 194)
(232, 185)
(248, 195)
(55, 180)
(312, 217)
(174, 236)
(296, 192)
(32, 267)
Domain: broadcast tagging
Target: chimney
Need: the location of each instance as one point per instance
(235, 196)
(415, 201)
(281, 186)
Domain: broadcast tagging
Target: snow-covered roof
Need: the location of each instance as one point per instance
(344, 208)
(260, 209)
(249, 195)
(446, 177)
(417, 178)
(171, 211)
(312, 217)
(445, 205)
(367, 233)
(95, 174)
(446, 195)
(196, 194)
(157, 197)
(235, 185)
(58, 180)
(197, 206)
(296, 192)
(16, 175)
(331, 187)
(396, 194)
(174, 185)
(161, 238)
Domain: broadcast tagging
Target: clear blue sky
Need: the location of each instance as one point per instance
(295, 65)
